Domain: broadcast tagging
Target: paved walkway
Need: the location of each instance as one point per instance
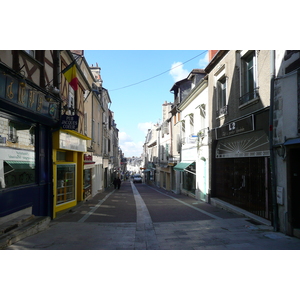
(217, 229)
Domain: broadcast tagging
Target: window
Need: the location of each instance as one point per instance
(65, 183)
(183, 129)
(249, 90)
(222, 92)
(71, 101)
(202, 116)
(17, 153)
(165, 128)
(98, 140)
(30, 52)
(191, 124)
(189, 179)
(12, 133)
(87, 187)
(93, 131)
(85, 124)
(220, 85)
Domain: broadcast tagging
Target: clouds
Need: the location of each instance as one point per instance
(128, 146)
(124, 137)
(203, 61)
(178, 72)
(145, 126)
(131, 148)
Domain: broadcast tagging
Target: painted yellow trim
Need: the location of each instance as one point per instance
(60, 207)
(77, 134)
(72, 157)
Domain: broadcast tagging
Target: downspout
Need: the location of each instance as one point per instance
(272, 154)
(158, 131)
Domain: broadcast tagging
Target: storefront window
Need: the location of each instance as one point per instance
(189, 179)
(17, 153)
(87, 183)
(65, 183)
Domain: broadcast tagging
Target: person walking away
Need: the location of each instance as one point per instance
(115, 182)
(119, 183)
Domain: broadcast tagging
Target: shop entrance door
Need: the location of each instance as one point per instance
(295, 186)
(245, 182)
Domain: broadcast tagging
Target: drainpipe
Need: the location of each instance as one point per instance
(272, 154)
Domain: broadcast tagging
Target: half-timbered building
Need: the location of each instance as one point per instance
(29, 113)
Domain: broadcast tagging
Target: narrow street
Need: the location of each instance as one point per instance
(141, 217)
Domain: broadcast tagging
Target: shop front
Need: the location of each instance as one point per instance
(187, 170)
(27, 116)
(71, 182)
(242, 166)
(165, 177)
(88, 174)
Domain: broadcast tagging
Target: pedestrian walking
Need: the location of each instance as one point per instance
(115, 182)
(119, 183)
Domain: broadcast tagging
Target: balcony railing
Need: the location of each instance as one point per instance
(249, 97)
(222, 111)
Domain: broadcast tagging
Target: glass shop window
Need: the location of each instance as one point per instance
(17, 153)
(87, 188)
(65, 183)
(60, 155)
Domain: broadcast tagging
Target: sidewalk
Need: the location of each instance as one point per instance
(225, 232)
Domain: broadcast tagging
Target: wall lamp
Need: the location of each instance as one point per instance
(281, 151)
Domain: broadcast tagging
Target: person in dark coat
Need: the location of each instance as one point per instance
(119, 183)
(115, 182)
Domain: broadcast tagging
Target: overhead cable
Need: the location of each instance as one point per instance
(159, 73)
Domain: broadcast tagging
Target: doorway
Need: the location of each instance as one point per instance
(294, 175)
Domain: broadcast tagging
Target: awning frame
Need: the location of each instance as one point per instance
(183, 169)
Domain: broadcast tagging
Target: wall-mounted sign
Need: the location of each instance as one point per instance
(69, 122)
(17, 155)
(88, 159)
(26, 96)
(236, 127)
(71, 142)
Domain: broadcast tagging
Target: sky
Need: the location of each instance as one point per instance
(139, 82)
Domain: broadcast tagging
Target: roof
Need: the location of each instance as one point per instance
(218, 56)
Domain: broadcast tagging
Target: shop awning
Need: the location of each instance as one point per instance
(292, 142)
(182, 166)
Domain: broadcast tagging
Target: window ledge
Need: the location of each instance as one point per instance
(249, 103)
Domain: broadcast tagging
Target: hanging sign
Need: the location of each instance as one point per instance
(69, 122)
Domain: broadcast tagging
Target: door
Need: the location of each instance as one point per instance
(295, 186)
(244, 182)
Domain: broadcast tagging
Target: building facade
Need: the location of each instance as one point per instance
(285, 138)
(70, 142)
(189, 101)
(55, 132)
(194, 138)
(239, 93)
(29, 115)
